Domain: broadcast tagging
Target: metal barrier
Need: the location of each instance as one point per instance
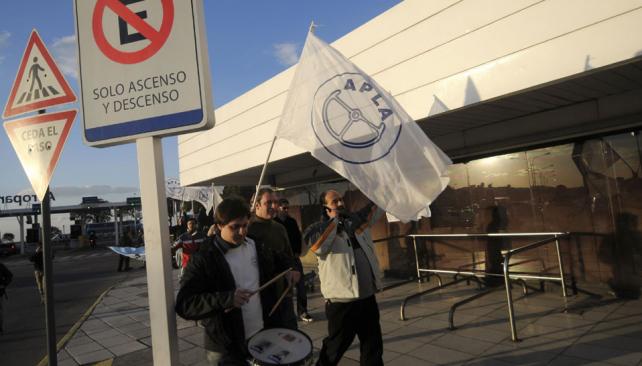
(474, 273)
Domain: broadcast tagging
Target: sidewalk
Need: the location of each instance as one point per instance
(594, 331)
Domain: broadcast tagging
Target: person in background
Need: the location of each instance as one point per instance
(38, 271)
(189, 242)
(127, 240)
(5, 279)
(294, 236)
(265, 230)
(349, 274)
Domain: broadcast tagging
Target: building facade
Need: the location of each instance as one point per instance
(538, 103)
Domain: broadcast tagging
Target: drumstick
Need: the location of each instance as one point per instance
(280, 299)
(268, 283)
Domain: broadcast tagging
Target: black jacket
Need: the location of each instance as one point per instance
(207, 289)
(294, 234)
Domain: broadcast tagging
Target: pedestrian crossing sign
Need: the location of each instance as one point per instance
(39, 83)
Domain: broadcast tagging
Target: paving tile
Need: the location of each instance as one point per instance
(405, 360)
(440, 355)
(105, 334)
(610, 355)
(463, 344)
(539, 330)
(482, 333)
(192, 356)
(63, 355)
(132, 326)
(196, 339)
(126, 348)
(93, 357)
(567, 360)
(401, 345)
(487, 361)
(389, 356)
(611, 341)
(139, 333)
(78, 340)
(114, 341)
(84, 348)
(67, 362)
(517, 354)
(185, 332)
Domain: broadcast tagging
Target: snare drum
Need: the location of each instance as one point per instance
(280, 346)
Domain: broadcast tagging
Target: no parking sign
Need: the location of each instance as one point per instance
(144, 69)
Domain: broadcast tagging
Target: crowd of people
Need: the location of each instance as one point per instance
(237, 279)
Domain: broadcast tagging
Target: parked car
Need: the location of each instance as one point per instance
(8, 248)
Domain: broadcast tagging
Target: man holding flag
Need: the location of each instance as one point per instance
(349, 273)
(346, 120)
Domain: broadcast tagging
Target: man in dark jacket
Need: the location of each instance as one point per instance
(294, 235)
(219, 282)
(263, 228)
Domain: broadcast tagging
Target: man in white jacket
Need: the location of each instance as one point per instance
(349, 274)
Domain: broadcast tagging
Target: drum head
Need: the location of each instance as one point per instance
(280, 346)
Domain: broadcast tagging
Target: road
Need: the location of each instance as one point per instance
(79, 278)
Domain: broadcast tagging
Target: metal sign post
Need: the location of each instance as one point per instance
(157, 250)
(47, 259)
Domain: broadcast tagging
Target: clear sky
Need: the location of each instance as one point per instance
(249, 42)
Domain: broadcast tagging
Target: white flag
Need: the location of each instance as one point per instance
(209, 197)
(351, 124)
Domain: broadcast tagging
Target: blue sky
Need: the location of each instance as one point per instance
(249, 42)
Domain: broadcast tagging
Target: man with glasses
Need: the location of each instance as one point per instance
(349, 274)
(294, 235)
(273, 235)
(219, 286)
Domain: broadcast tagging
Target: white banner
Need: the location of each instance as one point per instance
(351, 124)
(131, 252)
(209, 197)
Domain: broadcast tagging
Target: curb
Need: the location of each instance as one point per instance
(72, 331)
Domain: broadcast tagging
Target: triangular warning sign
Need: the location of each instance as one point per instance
(38, 142)
(39, 83)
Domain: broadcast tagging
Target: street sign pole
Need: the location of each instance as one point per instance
(47, 254)
(157, 251)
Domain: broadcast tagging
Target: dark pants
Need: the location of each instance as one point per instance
(345, 320)
(301, 296)
(123, 260)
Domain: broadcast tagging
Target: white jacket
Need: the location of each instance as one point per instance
(337, 270)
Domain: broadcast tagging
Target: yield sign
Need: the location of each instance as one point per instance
(39, 83)
(38, 142)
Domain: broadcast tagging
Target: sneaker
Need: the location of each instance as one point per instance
(306, 318)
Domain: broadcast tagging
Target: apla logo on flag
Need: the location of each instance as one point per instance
(355, 133)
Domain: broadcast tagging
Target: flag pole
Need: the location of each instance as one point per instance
(267, 159)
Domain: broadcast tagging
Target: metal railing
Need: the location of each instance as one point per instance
(507, 275)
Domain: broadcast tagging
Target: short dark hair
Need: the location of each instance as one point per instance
(230, 209)
(283, 201)
(260, 194)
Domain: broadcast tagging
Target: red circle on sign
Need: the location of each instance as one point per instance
(157, 38)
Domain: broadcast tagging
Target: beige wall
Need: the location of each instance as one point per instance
(420, 50)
